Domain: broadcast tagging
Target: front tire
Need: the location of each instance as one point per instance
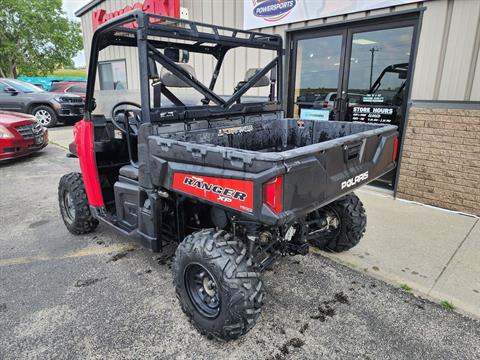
(74, 206)
(216, 285)
(45, 116)
(346, 222)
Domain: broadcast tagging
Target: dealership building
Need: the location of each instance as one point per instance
(415, 64)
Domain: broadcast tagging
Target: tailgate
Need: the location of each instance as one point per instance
(310, 176)
(318, 174)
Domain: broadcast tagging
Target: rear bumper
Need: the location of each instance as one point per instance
(18, 147)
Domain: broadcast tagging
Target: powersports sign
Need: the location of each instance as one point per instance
(237, 194)
(273, 10)
(264, 13)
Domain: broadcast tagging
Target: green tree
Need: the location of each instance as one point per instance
(36, 37)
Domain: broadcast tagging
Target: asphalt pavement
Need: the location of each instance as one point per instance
(98, 296)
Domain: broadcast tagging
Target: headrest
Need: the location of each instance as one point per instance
(263, 81)
(170, 80)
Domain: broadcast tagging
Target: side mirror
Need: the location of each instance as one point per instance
(152, 69)
(177, 55)
(10, 90)
(402, 75)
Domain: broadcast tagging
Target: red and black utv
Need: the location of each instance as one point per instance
(229, 179)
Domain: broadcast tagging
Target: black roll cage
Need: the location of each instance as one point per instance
(401, 68)
(119, 31)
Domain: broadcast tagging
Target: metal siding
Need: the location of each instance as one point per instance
(377, 12)
(406, 7)
(474, 66)
(240, 53)
(329, 20)
(429, 51)
(229, 61)
(475, 94)
(196, 14)
(458, 57)
(208, 60)
(298, 25)
(358, 15)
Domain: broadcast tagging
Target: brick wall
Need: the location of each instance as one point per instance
(440, 165)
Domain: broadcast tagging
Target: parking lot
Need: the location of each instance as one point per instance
(98, 296)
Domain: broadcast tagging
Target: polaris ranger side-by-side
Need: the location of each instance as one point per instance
(231, 181)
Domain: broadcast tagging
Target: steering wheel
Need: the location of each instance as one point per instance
(120, 116)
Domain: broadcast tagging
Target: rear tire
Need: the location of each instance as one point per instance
(45, 116)
(216, 285)
(74, 206)
(351, 221)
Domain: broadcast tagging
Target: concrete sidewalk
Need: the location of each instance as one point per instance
(61, 136)
(433, 251)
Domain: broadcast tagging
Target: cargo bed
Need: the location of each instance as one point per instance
(319, 160)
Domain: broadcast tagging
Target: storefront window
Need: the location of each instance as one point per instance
(113, 75)
(379, 65)
(318, 67)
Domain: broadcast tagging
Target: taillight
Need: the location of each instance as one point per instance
(395, 149)
(273, 194)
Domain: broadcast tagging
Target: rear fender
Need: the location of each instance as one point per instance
(84, 144)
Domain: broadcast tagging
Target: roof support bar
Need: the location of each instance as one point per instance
(185, 76)
(248, 84)
(132, 42)
(214, 78)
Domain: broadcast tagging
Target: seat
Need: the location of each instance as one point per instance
(263, 81)
(129, 171)
(170, 80)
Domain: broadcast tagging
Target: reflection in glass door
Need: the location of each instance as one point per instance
(318, 70)
(378, 74)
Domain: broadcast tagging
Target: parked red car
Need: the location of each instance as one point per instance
(70, 87)
(20, 135)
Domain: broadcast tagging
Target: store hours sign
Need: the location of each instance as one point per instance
(374, 114)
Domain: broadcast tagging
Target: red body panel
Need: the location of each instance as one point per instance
(84, 141)
(237, 194)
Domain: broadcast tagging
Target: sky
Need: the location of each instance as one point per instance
(70, 6)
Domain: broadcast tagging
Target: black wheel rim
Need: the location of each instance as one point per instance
(202, 289)
(68, 206)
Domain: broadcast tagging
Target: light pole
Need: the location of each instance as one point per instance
(372, 50)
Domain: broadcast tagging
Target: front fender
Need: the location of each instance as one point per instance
(84, 144)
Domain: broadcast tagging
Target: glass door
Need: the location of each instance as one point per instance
(354, 72)
(375, 79)
(318, 67)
